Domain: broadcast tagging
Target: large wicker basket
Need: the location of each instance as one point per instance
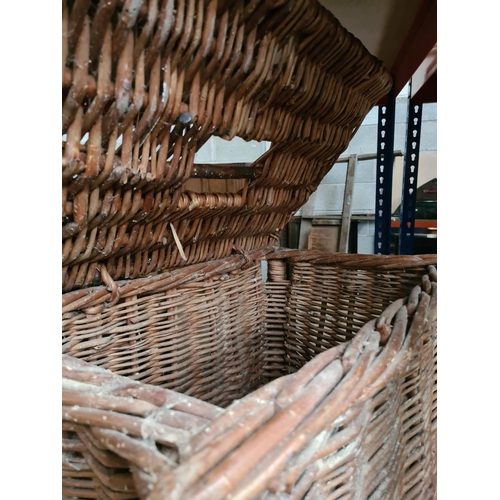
(335, 367)
(187, 372)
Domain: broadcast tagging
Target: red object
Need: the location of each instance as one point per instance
(419, 224)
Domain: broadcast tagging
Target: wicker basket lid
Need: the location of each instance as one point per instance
(147, 83)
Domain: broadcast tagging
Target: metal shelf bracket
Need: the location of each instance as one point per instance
(410, 173)
(385, 165)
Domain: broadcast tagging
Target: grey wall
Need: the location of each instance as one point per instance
(217, 150)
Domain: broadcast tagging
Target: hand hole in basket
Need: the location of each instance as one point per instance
(223, 166)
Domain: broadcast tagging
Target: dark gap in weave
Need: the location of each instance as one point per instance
(418, 458)
(415, 488)
(377, 407)
(414, 465)
(412, 427)
(336, 488)
(374, 454)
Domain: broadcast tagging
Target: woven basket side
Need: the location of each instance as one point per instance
(328, 304)
(358, 420)
(203, 338)
(275, 354)
(100, 410)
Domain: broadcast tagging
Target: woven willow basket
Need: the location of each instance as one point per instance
(328, 379)
(187, 372)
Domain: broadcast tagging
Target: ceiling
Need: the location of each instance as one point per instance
(402, 34)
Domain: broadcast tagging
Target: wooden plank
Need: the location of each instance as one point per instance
(224, 171)
(323, 238)
(347, 208)
(217, 186)
(205, 188)
(367, 156)
(193, 185)
(235, 185)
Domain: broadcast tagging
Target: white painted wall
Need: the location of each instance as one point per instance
(217, 150)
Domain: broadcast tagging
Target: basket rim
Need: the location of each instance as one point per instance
(112, 291)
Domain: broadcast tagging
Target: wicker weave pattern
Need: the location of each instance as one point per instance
(276, 300)
(146, 83)
(213, 330)
(357, 421)
(199, 331)
(327, 304)
(119, 406)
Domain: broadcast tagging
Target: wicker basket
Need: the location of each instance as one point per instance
(146, 84)
(348, 409)
(187, 374)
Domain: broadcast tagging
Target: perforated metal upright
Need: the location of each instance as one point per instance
(410, 172)
(385, 163)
